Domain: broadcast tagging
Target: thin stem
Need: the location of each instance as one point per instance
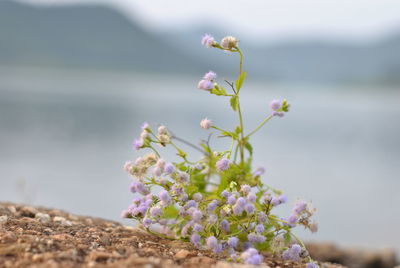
(189, 144)
(260, 125)
(151, 147)
(241, 61)
(231, 149)
(241, 145)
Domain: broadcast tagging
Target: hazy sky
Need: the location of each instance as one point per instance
(272, 19)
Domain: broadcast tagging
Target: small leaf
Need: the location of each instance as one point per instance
(234, 103)
(240, 80)
(170, 212)
(223, 91)
(249, 148)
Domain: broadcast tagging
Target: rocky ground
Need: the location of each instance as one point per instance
(39, 237)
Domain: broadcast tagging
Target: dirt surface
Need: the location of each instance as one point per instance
(40, 237)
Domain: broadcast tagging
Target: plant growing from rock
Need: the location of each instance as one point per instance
(218, 202)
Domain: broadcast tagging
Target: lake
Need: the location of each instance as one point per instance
(65, 135)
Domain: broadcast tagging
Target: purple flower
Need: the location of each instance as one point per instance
(283, 199)
(210, 76)
(300, 206)
(275, 105)
(212, 205)
(139, 187)
(147, 222)
(292, 253)
(137, 144)
(251, 197)
(312, 265)
(208, 40)
(125, 214)
(223, 164)
(205, 85)
(155, 211)
(231, 200)
(157, 171)
(226, 193)
(195, 239)
(191, 204)
(251, 256)
(237, 210)
(256, 238)
(292, 219)
(233, 242)
(262, 217)
(245, 188)
(259, 228)
(197, 197)
(212, 242)
(249, 208)
(197, 227)
(169, 168)
(241, 202)
(259, 171)
(197, 215)
(164, 197)
(225, 225)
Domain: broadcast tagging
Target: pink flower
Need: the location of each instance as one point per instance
(205, 85)
(128, 166)
(208, 40)
(205, 123)
(223, 164)
(210, 76)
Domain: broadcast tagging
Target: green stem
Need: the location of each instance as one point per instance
(241, 141)
(260, 126)
(151, 147)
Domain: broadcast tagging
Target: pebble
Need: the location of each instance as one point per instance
(3, 219)
(62, 221)
(8, 237)
(42, 217)
(181, 254)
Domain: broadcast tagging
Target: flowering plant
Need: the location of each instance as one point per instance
(218, 202)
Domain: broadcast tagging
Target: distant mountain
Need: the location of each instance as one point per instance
(84, 36)
(98, 37)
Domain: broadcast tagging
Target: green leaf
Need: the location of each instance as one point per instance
(240, 80)
(170, 212)
(234, 103)
(249, 148)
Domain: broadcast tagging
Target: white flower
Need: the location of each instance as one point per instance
(205, 123)
(229, 42)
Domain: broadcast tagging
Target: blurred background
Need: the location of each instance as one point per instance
(77, 78)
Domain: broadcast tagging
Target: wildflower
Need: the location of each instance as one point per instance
(255, 238)
(139, 187)
(292, 219)
(182, 177)
(155, 211)
(147, 222)
(292, 253)
(205, 123)
(197, 215)
(229, 42)
(223, 164)
(128, 166)
(225, 225)
(137, 144)
(225, 193)
(212, 242)
(300, 206)
(208, 40)
(145, 126)
(237, 210)
(231, 200)
(262, 217)
(245, 188)
(275, 105)
(312, 265)
(210, 76)
(241, 202)
(251, 197)
(212, 205)
(197, 197)
(157, 172)
(205, 84)
(160, 163)
(251, 256)
(197, 227)
(249, 208)
(125, 214)
(233, 242)
(164, 197)
(259, 228)
(169, 168)
(162, 130)
(195, 239)
(259, 171)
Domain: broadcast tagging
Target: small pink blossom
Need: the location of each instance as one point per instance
(205, 85)
(210, 76)
(205, 123)
(208, 40)
(275, 105)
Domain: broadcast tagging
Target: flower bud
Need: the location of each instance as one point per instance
(229, 42)
(208, 40)
(205, 84)
(205, 123)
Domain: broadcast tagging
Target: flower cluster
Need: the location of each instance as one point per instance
(218, 202)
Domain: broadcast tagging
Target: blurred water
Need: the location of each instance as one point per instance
(64, 137)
